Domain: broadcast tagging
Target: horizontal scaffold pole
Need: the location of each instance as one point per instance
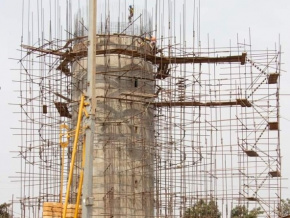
(238, 102)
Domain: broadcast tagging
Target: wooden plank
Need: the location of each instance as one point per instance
(167, 60)
(273, 78)
(206, 104)
(62, 109)
(46, 213)
(244, 102)
(192, 103)
(275, 173)
(252, 199)
(251, 153)
(63, 66)
(273, 125)
(52, 204)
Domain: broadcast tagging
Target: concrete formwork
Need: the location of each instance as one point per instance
(123, 148)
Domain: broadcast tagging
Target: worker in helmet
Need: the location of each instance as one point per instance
(131, 13)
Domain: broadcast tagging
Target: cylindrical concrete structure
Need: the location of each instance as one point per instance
(124, 138)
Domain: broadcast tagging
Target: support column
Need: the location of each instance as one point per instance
(91, 80)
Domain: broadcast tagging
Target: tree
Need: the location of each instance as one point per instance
(4, 210)
(242, 211)
(203, 209)
(285, 207)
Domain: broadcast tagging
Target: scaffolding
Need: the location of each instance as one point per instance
(176, 124)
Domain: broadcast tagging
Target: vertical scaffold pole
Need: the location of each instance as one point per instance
(91, 74)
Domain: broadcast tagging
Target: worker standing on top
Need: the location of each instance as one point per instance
(153, 44)
(131, 13)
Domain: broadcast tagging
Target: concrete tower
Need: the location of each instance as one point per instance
(124, 136)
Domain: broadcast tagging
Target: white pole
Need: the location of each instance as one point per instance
(87, 202)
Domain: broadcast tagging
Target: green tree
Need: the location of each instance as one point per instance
(242, 211)
(203, 209)
(4, 210)
(285, 207)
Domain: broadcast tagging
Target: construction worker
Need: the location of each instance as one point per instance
(131, 13)
(153, 44)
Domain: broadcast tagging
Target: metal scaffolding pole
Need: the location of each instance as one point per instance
(91, 96)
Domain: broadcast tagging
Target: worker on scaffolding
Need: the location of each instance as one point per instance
(153, 45)
(131, 13)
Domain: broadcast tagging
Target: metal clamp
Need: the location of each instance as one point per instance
(89, 201)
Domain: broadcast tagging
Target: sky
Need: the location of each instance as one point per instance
(266, 21)
(10, 20)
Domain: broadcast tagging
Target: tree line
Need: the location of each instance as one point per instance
(209, 209)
